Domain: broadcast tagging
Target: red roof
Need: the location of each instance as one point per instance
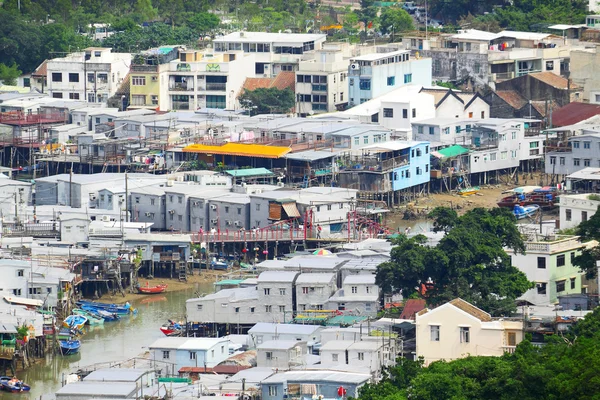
(195, 370)
(574, 113)
(284, 80)
(42, 70)
(412, 307)
(512, 98)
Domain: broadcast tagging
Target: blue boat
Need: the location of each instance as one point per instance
(525, 211)
(107, 316)
(13, 385)
(75, 321)
(218, 265)
(68, 347)
(112, 308)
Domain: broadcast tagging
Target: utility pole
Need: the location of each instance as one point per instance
(126, 199)
(70, 186)
(16, 209)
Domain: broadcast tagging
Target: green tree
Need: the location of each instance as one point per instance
(444, 219)
(145, 10)
(203, 22)
(469, 262)
(586, 261)
(9, 74)
(267, 100)
(395, 20)
(367, 12)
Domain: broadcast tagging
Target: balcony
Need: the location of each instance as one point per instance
(357, 164)
(553, 246)
(502, 76)
(509, 349)
(166, 256)
(217, 87)
(181, 105)
(181, 87)
(144, 68)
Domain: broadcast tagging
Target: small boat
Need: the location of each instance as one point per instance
(112, 308)
(68, 347)
(469, 191)
(13, 385)
(75, 321)
(525, 211)
(151, 289)
(93, 318)
(108, 316)
(171, 329)
(218, 265)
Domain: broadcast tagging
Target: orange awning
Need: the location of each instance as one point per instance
(240, 149)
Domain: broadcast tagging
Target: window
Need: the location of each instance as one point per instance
(48, 290)
(568, 214)
(166, 355)
(549, 65)
(74, 96)
(57, 95)
(541, 288)
(269, 355)
(572, 257)
(562, 160)
(334, 357)
(586, 145)
(434, 331)
(431, 130)
(365, 141)
(493, 156)
(575, 145)
(192, 355)
(73, 77)
(407, 78)
(268, 308)
(391, 80)
(511, 338)
(365, 84)
(404, 113)
(272, 390)
(354, 289)
(237, 309)
(138, 81)
(251, 309)
(199, 307)
(361, 356)
(17, 292)
(258, 207)
(20, 272)
(560, 260)
(470, 115)
(573, 281)
(414, 113)
(282, 309)
(420, 129)
(212, 353)
(584, 216)
(267, 291)
(282, 291)
(56, 77)
(388, 113)
(514, 135)
(552, 160)
(465, 334)
(586, 162)
(560, 286)
(541, 262)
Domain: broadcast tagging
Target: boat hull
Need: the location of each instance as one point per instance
(152, 289)
(69, 347)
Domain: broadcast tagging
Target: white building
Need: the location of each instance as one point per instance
(584, 152)
(359, 294)
(93, 75)
(576, 208)
(458, 329)
(280, 354)
(275, 294)
(369, 355)
(181, 352)
(373, 75)
(313, 290)
(274, 52)
(321, 84)
(264, 331)
(233, 306)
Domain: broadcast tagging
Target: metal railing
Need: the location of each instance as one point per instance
(219, 87)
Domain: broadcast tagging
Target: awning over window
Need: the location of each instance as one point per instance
(291, 210)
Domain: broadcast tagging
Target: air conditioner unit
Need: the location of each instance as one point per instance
(92, 197)
(154, 78)
(196, 203)
(228, 223)
(171, 211)
(148, 214)
(170, 183)
(214, 221)
(213, 207)
(238, 223)
(354, 66)
(105, 218)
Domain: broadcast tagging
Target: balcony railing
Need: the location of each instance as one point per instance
(181, 87)
(144, 68)
(372, 164)
(219, 87)
(509, 349)
(181, 105)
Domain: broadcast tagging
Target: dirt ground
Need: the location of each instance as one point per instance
(174, 285)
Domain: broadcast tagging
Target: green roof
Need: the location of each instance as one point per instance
(345, 320)
(229, 282)
(248, 172)
(453, 151)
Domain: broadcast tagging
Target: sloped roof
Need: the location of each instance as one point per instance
(471, 309)
(411, 308)
(512, 98)
(284, 80)
(256, 83)
(553, 80)
(573, 113)
(453, 151)
(42, 70)
(240, 149)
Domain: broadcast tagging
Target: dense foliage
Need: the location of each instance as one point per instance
(469, 262)
(589, 230)
(267, 100)
(565, 368)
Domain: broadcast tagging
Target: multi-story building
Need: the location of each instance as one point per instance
(280, 354)
(582, 151)
(577, 208)
(277, 294)
(274, 52)
(458, 329)
(549, 263)
(179, 352)
(373, 75)
(321, 84)
(93, 75)
(313, 290)
(359, 293)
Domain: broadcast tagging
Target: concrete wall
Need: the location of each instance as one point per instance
(577, 204)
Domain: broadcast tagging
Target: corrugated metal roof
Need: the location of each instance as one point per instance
(345, 320)
(244, 173)
(277, 276)
(294, 329)
(453, 151)
(91, 389)
(573, 113)
(278, 344)
(315, 376)
(315, 278)
(291, 210)
(239, 149)
(116, 375)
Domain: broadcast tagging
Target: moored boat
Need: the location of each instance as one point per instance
(151, 289)
(68, 347)
(13, 385)
(218, 265)
(171, 329)
(75, 321)
(112, 308)
(93, 318)
(468, 191)
(107, 316)
(525, 211)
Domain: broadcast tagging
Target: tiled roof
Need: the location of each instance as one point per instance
(256, 83)
(553, 80)
(42, 70)
(540, 106)
(471, 309)
(438, 94)
(284, 80)
(573, 113)
(514, 99)
(411, 308)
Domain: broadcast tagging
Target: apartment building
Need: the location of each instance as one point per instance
(277, 294)
(359, 294)
(273, 52)
(93, 75)
(582, 151)
(576, 208)
(375, 74)
(313, 290)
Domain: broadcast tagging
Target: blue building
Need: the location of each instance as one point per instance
(303, 385)
(178, 352)
(372, 75)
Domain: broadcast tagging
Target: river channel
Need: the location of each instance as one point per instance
(115, 341)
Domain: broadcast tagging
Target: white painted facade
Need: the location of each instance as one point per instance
(93, 75)
(501, 150)
(313, 290)
(367, 354)
(585, 152)
(275, 290)
(458, 330)
(359, 294)
(280, 354)
(266, 331)
(575, 209)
